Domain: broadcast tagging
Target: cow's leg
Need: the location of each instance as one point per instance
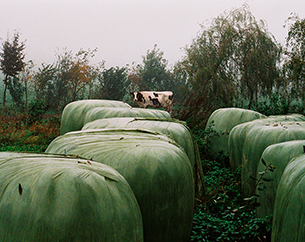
(169, 109)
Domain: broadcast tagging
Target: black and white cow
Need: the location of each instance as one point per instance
(155, 99)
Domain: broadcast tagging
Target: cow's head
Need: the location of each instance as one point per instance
(137, 96)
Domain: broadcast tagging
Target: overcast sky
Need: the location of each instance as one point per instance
(123, 30)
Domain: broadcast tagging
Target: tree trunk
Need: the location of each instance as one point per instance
(26, 93)
(5, 88)
(251, 99)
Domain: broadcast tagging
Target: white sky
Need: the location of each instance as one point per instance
(123, 30)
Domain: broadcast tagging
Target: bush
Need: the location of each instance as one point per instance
(36, 109)
(276, 105)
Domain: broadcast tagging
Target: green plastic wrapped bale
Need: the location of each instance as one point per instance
(72, 118)
(238, 134)
(101, 113)
(157, 169)
(175, 129)
(223, 120)
(57, 198)
(277, 155)
(257, 140)
(289, 209)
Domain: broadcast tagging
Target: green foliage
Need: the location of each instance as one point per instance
(154, 74)
(12, 57)
(224, 216)
(277, 104)
(44, 84)
(113, 83)
(65, 80)
(16, 89)
(36, 109)
(203, 138)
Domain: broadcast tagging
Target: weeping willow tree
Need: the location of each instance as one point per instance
(234, 57)
(294, 63)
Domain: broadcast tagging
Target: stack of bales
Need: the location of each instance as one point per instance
(257, 139)
(239, 133)
(156, 155)
(271, 149)
(157, 169)
(174, 129)
(76, 114)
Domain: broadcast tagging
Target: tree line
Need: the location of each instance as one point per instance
(233, 61)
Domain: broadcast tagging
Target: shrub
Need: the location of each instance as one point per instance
(225, 216)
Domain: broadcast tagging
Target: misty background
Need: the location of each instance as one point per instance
(123, 30)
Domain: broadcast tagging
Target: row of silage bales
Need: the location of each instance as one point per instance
(247, 139)
(57, 198)
(173, 128)
(276, 155)
(157, 169)
(289, 213)
(257, 140)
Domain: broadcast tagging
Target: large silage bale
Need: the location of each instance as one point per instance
(101, 113)
(55, 198)
(72, 118)
(258, 138)
(223, 120)
(175, 129)
(238, 134)
(278, 155)
(157, 169)
(289, 209)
